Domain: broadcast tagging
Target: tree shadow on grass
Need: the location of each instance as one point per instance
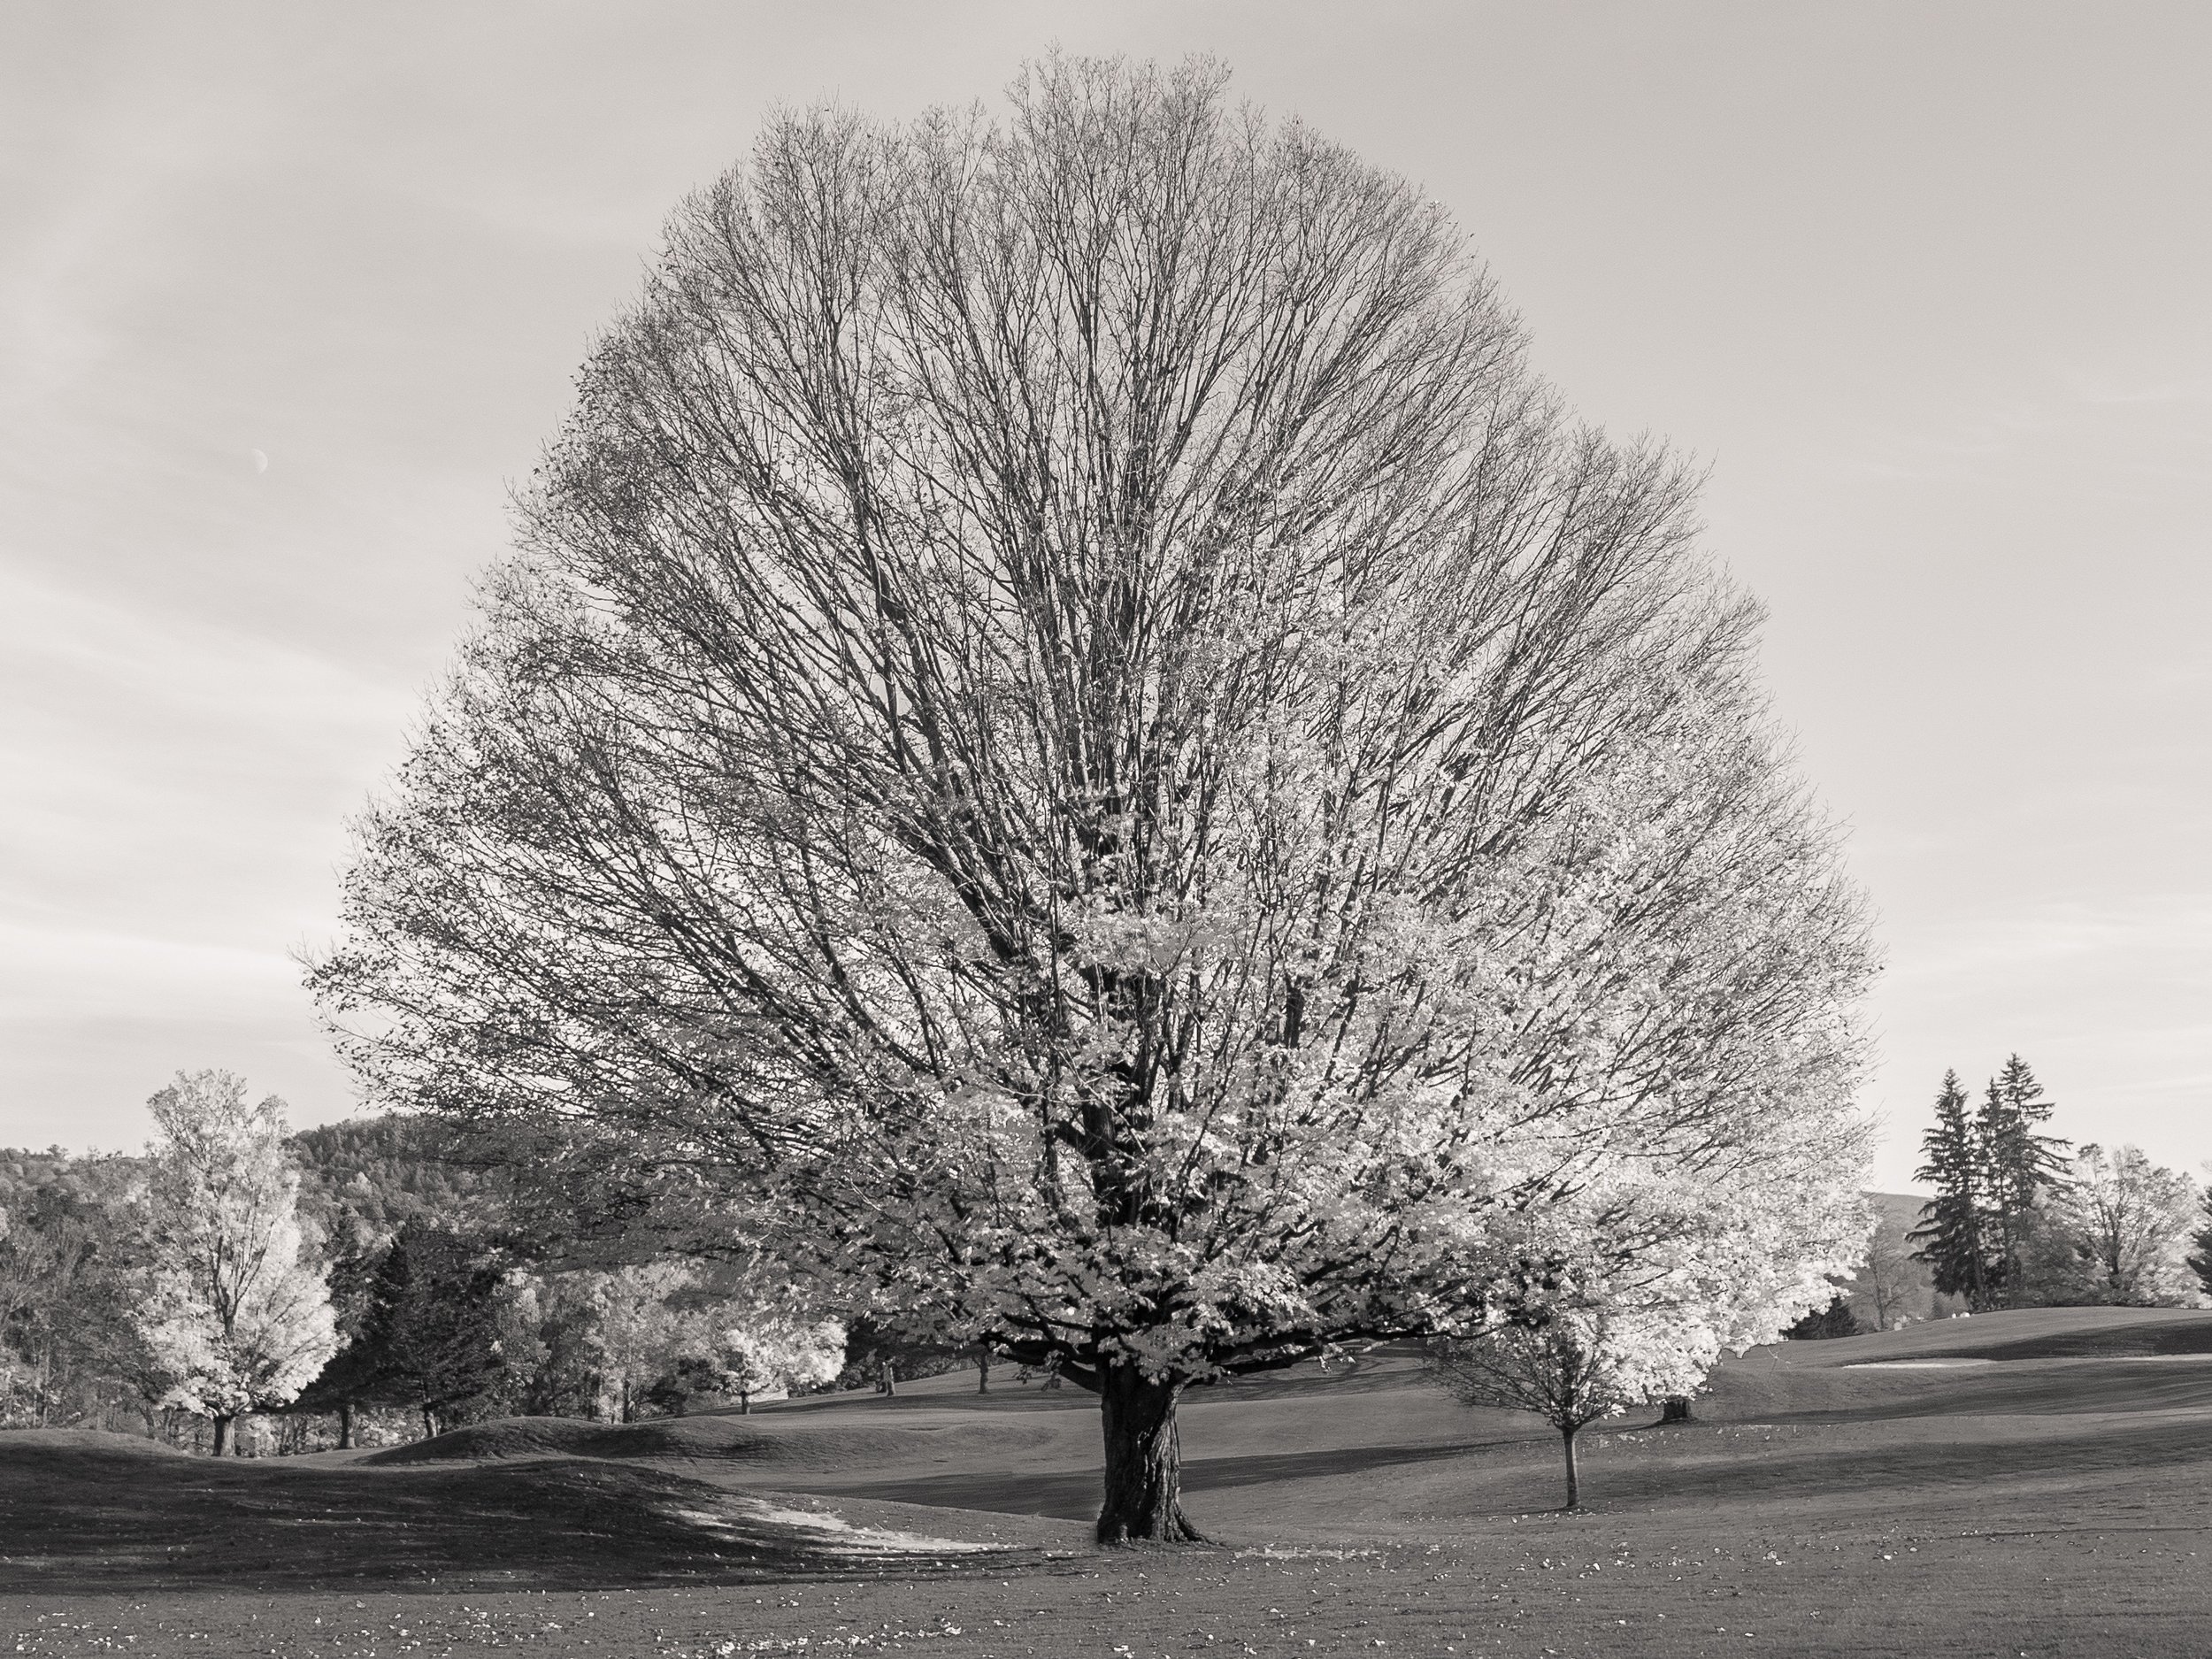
(97, 1513)
(1845, 1394)
(1664, 1470)
(1074, 1494)
(2164, 1340)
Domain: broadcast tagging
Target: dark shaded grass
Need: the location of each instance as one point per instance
(2109, 1567)
(758, 1442)
(99, 1514)
(2014, 1333)
(2032, 1387)
(1794, 1520)
(1824, 1469)
(2142, 1341)
(1074, 1494)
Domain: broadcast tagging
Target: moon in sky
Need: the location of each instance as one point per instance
(260, 461)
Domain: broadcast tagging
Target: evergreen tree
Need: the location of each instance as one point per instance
(1836, 1320)
(430, 1335)
(351, 1377)
(2200, 1262)
(1950, 1235)
(2021, 1166)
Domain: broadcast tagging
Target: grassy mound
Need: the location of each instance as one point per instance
(80, 1514)
(1821, 1505)
(90, 1445)
(2019, 1333)
(762, 1443)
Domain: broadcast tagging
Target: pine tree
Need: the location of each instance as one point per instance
(2200, 1263)
(1951, 1235)
(1822, 1323)
(2021, 1163)
(430, 1339)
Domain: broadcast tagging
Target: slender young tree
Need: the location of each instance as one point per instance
(1950, 1235)
(1889, 1281)
(1567, 1371)
(234, 1312)
(1073, 719)
(1587, 1323)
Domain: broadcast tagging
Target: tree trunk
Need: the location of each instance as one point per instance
(983, 1372)
(222, 1437)
(345, 1425)
(745, 1402)
(1144, 1459)
(1574, 1493)
(1675, 1408)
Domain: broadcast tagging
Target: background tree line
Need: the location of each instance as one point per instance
(367, 1280)
(2022, 1219)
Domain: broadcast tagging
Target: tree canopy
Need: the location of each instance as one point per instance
(234, 1312)
(1072, 718)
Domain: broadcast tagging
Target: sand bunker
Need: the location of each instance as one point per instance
(1917, 1364)
(749, 1520)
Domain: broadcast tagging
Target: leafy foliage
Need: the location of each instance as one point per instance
(2130, 1224)
(72, 1250)
(233, 1313)
(364, 1179)
(1073, 721)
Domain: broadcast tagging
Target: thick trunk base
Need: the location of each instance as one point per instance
(1144, 1461)
(1675, 1408)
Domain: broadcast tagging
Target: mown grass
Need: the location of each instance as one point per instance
(2044, 1505)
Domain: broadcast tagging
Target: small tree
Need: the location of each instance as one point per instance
(234, 1313)
(1891, 1282)
(1572, 1367)
(1591, 1319)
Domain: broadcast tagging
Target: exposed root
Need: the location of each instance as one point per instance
(1114, 1530)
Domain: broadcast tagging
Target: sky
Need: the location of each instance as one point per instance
(290, 297)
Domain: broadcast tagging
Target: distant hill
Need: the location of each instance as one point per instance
(367, 1178)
